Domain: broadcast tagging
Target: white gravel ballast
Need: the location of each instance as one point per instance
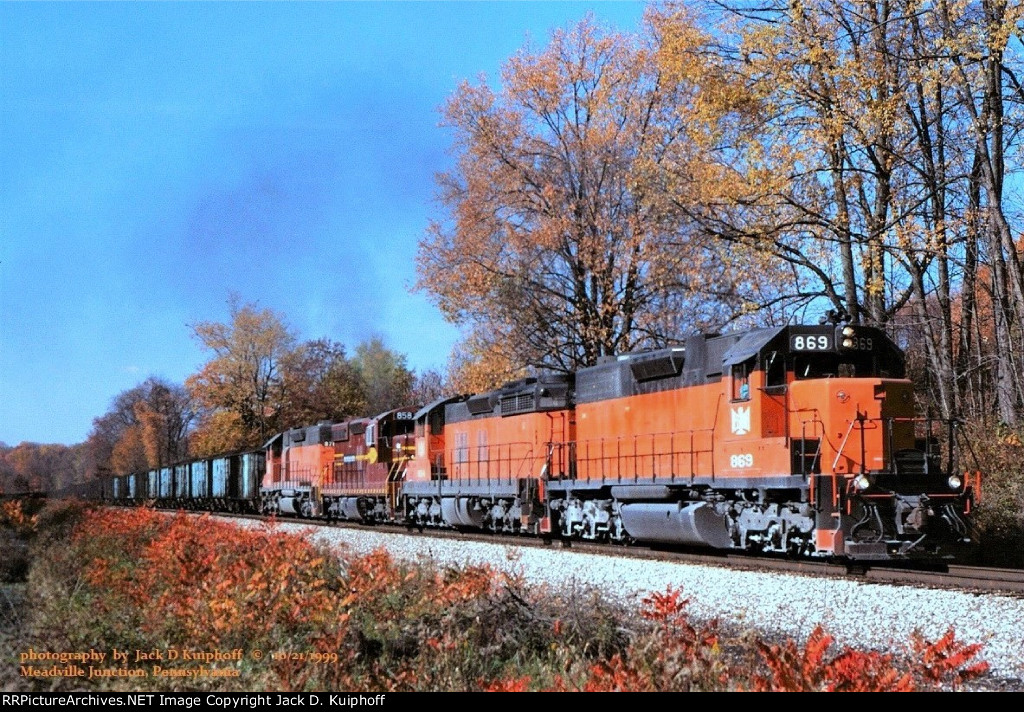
(857, 614)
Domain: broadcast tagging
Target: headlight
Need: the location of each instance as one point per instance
(847, 343)
(861, 482)
(847, 331)
(954, 482)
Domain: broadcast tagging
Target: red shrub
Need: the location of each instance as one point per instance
(810, 669)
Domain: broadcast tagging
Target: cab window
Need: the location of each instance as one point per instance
(832, 366)
(741, 381)
(774, 370)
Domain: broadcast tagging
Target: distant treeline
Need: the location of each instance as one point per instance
(260, 380)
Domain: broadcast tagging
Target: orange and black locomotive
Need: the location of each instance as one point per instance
(798, 440)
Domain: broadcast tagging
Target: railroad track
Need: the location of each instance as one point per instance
(968, 578)
(953, 576)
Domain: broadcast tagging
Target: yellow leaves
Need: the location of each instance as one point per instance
(567, 192)
(483, 361)
(221, 431)
(129, 454)
(244, 376)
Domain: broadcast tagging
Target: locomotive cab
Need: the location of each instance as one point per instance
(369, 460)
(297, 464)
(879, 485)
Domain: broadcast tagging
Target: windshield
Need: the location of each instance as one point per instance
(823, 365)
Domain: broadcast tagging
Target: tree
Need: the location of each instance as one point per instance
(476, 364)
(982, 42)
(822, 169)
(877, 172)
(244, 377)
(129, 453)
(428, 387)
(320, 384)
(218, 432)
(386, 381)
(34, 467)
(560, 248)
(145, 427)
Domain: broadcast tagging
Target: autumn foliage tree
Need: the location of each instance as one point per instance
(34, 467)
(879, 169)
(558, 249)
(261, 380)
(386, 381)
(145, 426)
(984, 50)
(241, 388)
(320, 383)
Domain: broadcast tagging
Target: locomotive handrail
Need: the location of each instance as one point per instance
(648, 475)
(892, 463)
(629, 462)
(714, 427)
(480, 468)
(842, 446)
(808, 472)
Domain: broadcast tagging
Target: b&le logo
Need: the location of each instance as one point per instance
(741, 420)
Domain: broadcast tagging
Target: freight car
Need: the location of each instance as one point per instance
(797, 440)
(228, 483)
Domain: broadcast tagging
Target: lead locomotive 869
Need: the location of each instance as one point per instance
(800, 440)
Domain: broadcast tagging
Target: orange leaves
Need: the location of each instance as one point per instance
(616, 675)
(466, 584)
(793, 669)
(12, 516)
(145, 427)
(244, 376)
(372, 623)
(678, 655)
(668, 611)
(945, 662)
(221, 431)
(475, 365)
(560, 237)
(675, 655)
(386, 590)
(854, 671)
(665, 608)
(199, 581)
(520, 684)
(129, 453)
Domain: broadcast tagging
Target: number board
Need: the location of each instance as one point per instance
(811, 342)
(858, 343)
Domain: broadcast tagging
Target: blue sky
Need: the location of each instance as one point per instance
(156, 157)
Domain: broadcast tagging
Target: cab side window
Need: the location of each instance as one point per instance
(774, 370)
(741, 381)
